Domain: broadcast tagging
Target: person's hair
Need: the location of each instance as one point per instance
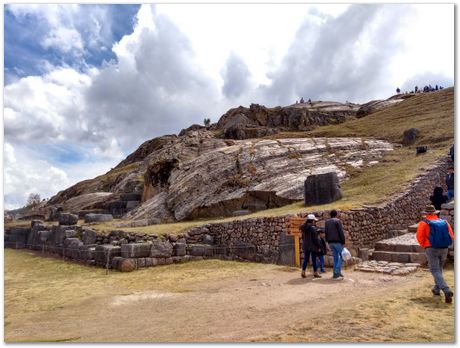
(450, 167)
(309, 221)
(333, 213)
(438, 191)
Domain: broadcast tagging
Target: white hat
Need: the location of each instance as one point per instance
(312, 217)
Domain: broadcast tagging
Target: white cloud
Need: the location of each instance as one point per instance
(24, 175)
(186, 62)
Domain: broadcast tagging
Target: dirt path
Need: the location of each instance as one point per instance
(257, 304)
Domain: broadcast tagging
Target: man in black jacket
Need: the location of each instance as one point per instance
(336, 240)
(310, 244)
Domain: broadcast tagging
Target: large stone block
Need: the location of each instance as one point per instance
(98, 217)
(135, 250)
(68, 219)
(105, 252)
(286, 254)
(180, 249)
(322, 189)
(161, 249)
(89, 236)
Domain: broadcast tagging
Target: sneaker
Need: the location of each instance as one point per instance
(303, 275)
(337, 277)
(449, 296)
(436, 292)
(316, 275)
(322, 271)
(341, 275)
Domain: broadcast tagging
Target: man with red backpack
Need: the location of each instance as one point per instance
(436, 235)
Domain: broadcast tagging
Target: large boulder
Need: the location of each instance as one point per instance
(322, 189)
(68, 219)
(410, 135)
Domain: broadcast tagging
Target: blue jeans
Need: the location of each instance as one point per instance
(337, 252)
(306, 257)
(436, 258)
(450, 194)
(320, 262)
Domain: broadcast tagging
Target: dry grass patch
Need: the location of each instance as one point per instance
(411, 314)
(39, 284)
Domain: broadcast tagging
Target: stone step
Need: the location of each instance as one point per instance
(403, 243)
(413, 228)
(403, 257)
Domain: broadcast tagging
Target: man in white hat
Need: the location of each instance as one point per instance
(310, 244)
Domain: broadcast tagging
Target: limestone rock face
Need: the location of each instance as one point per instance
(254, 175)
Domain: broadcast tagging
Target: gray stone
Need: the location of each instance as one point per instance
(208, 239)
(70, 234)
(136, 250)
(98, 217)
(244, 250)
(68, 219)
(322, 189)
(410, 135)
(44, 235)
(180, 249)
(363, 254)
(89, 236)
(104, 252)
(161, 249)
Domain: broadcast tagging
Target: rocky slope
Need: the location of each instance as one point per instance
(237, 163)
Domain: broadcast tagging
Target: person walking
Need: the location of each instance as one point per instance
(310, 245)
(438, 198)
(450, 183)
(336, 240)
(322, 250)
(435, 236)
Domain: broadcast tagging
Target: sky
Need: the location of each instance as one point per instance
(85, 85)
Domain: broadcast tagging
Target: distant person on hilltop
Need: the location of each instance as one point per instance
(336, 240)
(302, 101)
(398, 90)
(450, 182)
(436, 235)
(451, 152)
(310, 245)
(438, 198)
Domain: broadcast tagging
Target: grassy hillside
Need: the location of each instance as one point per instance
(431, 113)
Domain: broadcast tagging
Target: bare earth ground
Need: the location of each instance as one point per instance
(47, 299)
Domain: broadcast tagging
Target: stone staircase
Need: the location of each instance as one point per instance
(403, 248)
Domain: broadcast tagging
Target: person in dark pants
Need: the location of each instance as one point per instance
(336, 240)
(310, 244)
(438, 198)
(322, 250)
(435, 236)
(450, 183)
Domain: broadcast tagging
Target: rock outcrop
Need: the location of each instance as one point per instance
(227, 167)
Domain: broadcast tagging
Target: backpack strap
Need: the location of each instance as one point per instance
(426, 221)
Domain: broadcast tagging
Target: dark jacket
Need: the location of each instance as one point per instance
(334, 231)
(310, 241)
(438, 198)
(450, 181)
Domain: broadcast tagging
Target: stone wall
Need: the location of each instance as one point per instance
(447, 213)
(255, 239)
